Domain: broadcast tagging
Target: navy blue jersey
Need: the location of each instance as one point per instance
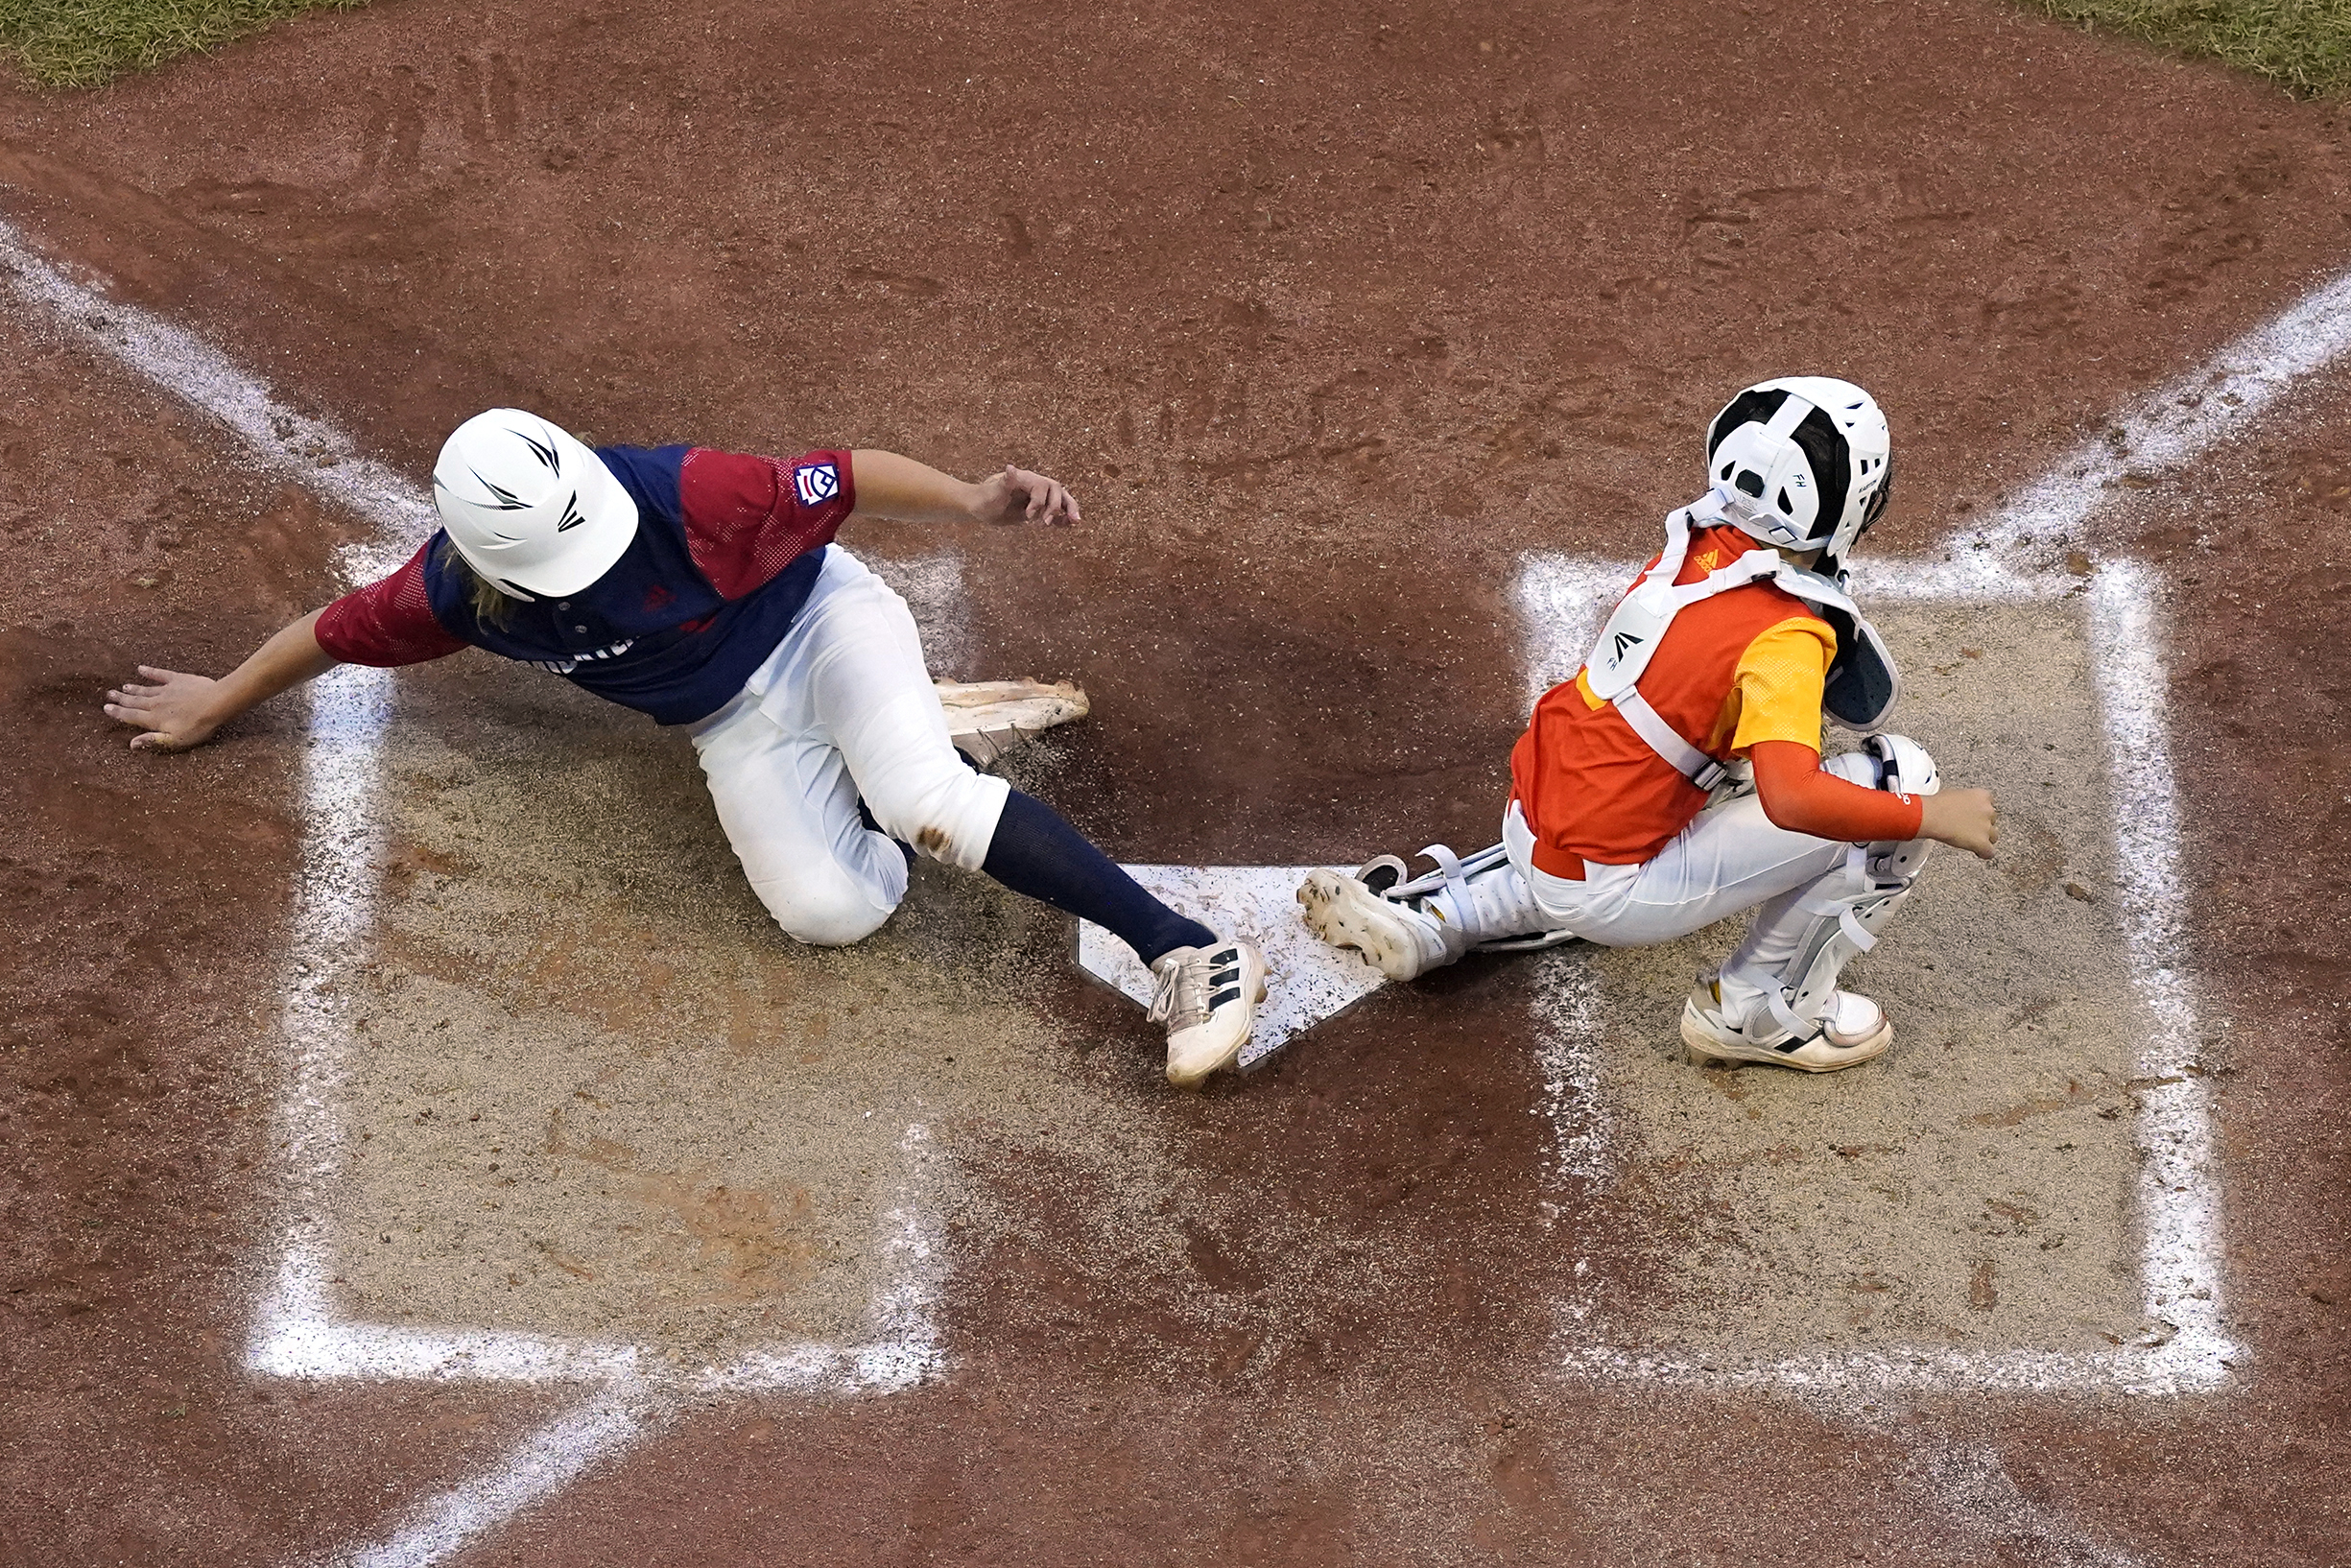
(726, 551)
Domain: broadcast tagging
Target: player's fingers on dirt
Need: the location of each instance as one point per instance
(1053, 503)
(1042, 493)
(1039, 491)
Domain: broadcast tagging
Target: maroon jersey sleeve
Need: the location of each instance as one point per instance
(387, 623)
(747, 518)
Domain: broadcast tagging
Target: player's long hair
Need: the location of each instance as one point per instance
(490, 606)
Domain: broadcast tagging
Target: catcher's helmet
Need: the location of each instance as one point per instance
(1804, 462)
(533, 512)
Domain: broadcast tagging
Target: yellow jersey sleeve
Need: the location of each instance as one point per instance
(1776, 696)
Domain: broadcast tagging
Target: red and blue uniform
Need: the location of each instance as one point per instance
(726, 551)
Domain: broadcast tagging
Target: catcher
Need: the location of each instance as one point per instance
(1731, 645)
(703, 588)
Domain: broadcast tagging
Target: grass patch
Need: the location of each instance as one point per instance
(82, 43)
(2302, 45)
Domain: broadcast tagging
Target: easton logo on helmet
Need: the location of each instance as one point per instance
(571, 514)
(505, 500)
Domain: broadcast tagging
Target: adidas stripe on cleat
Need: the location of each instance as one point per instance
(1208, 997)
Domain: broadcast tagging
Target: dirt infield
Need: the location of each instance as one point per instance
(1334, 319)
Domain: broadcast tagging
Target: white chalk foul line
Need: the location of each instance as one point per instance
(2179, 424)
(545, 1462)
(295, 1332)
(279, 437)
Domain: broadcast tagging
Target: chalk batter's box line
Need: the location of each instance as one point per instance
(1561, 600)
(295, 1332)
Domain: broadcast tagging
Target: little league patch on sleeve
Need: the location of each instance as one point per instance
(817, 482)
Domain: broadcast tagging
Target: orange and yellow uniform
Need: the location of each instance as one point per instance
(1736, 674)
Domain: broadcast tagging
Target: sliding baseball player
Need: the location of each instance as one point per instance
(703, 587)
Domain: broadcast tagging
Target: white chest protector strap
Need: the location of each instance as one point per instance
(1666, 741)
(1640, 622)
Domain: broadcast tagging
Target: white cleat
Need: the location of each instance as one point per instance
(1855, 1031)
(987, 718)
(1402, 942)
(1208, 997)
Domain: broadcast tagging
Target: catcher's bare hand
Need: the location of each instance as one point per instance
(1962, 818)
(171, 715)
(1019, 495)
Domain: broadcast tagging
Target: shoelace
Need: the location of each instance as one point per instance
(1189, 991)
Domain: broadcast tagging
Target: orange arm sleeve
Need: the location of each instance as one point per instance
(1798, 797)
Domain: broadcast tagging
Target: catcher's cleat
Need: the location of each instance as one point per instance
(987, 718)
(1855, 1030)
(1208, 997)
(1402, 942)
(1409, 925)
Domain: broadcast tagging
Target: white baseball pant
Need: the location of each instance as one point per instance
(1730, 858)
(844, 708)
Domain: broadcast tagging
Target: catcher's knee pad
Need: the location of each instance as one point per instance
(1901, 766)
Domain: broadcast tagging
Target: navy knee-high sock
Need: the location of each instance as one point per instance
(1036, 853)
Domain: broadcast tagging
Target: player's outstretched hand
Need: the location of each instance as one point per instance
(171, 716)
(1018, 495)
(1962, 818)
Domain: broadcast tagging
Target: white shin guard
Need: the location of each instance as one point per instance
(1485, 902)
(1781, 984)
(1800, 944)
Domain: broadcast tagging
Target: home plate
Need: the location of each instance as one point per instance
(1307, 979)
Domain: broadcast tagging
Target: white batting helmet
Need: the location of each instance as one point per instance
(1804, 462)
(533, 512)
